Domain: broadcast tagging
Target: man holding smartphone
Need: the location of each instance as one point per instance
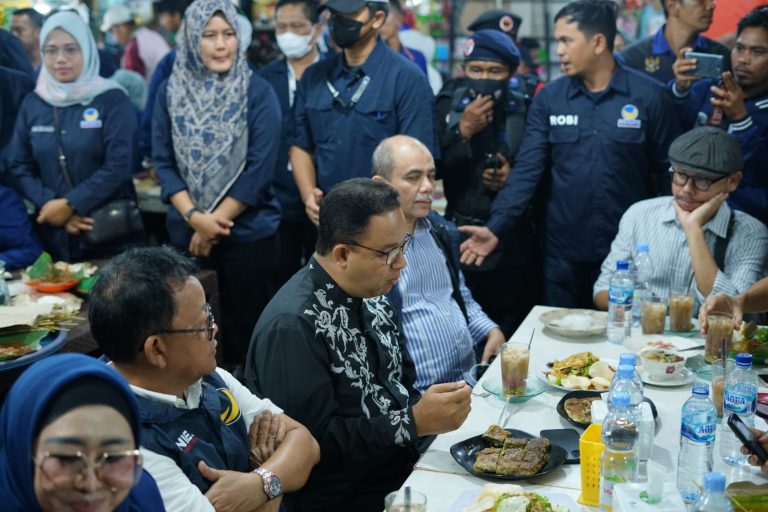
(738, 103)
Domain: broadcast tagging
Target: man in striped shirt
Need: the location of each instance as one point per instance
(443, 325)
(694, 234)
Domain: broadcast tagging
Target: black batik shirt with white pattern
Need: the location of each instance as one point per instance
(338, 365)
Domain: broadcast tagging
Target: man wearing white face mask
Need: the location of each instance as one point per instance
(297, 30)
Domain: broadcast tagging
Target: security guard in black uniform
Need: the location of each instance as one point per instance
(479, 139)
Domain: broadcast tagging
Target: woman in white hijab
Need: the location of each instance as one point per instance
(215, 137)
(73, 146)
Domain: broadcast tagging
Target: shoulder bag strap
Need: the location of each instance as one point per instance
(62, 158)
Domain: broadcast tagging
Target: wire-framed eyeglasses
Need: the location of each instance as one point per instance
(115, 468)
(390, 255)
(209, 328)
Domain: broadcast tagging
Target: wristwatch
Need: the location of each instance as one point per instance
(188, 214)
(272, 486)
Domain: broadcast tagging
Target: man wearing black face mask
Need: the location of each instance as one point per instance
(346, 104)
(479, 139)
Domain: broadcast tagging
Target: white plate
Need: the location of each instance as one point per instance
(638, 342)
(553, 320)
(683, 377)
(468, 498)
(542, 375)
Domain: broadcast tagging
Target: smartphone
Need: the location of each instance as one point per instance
(707, 64)
(747, 438)
(568, 438)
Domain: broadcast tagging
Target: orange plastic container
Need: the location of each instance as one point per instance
(590, 448)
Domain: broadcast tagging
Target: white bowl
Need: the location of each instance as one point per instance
(662, 364)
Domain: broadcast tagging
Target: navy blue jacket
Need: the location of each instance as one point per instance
(448, 239)
(99, 153)
(276, 73)
(19, 245)
(695, 109)
(597, 154)
(13, 55)
(14, 85)
(398, 100)
(190, 435)
(254, 186)
(162, 73)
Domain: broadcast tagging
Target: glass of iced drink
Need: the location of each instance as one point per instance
(395, 502)
(680, 309)
(653, 314)
(514, 368)
(720, 328)
(718, 382)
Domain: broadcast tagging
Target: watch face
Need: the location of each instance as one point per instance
(272, 486)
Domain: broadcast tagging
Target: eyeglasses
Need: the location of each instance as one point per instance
(208, 328)
(390, 255)
(117, 469)
(699, 182)
(69, 51)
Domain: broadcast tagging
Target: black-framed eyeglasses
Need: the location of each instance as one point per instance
(390, 255)
(699, 182)
(118, 468)
(208, 328)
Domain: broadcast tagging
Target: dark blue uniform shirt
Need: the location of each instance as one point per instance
(695, 109)
(19, 245)
(276, 74)
(14, 85)
(398, 100)
(655, 57)
(254, 186)
(597, 154)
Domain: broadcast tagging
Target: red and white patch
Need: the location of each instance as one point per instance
(469, 47)
(506, 23)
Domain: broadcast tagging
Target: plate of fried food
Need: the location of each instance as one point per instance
(45, 276)
(576, 407)
(575, 323)
(508, 454)
(511, 498)
(583, 370)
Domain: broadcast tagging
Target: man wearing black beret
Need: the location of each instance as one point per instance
(694, 232)
(479, 139)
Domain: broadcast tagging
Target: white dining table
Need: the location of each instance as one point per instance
(444, 481)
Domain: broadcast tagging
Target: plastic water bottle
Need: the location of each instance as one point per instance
(5, 294)
(620, 290)
(713, 499)
(630, 359)
(643, 276)
(620, 462)
(740, 398)
(624, 382)
(697, 440)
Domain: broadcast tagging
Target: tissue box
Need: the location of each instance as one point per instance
(647, 426)
(626, 498)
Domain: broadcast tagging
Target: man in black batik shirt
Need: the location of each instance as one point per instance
(328, 348)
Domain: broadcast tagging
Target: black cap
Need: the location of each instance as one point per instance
(707, 151)
(498, 19)
(349, 6)
(491, 45)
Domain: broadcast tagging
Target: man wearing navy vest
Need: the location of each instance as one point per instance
(208, 442)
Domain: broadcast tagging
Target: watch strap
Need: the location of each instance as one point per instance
(188, 214)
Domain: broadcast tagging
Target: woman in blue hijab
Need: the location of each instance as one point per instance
(69, 437)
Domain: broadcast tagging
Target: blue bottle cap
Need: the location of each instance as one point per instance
(626, 371)
(622, 265)
(700, 388)
(628, 358)
(620, 399)
(714, 481)
(744, 360)
(642, 247)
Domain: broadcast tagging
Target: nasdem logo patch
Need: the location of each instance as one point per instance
(90, 118)
(629, 117)
(231, 412)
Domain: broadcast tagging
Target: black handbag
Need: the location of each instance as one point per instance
(118, 218)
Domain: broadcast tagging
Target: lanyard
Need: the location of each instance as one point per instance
(355, 97)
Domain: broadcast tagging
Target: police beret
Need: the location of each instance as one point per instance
(491, 45)
(707, 151)
(349, 6)
(498, 19)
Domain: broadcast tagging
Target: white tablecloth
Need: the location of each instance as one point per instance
(443, 481)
